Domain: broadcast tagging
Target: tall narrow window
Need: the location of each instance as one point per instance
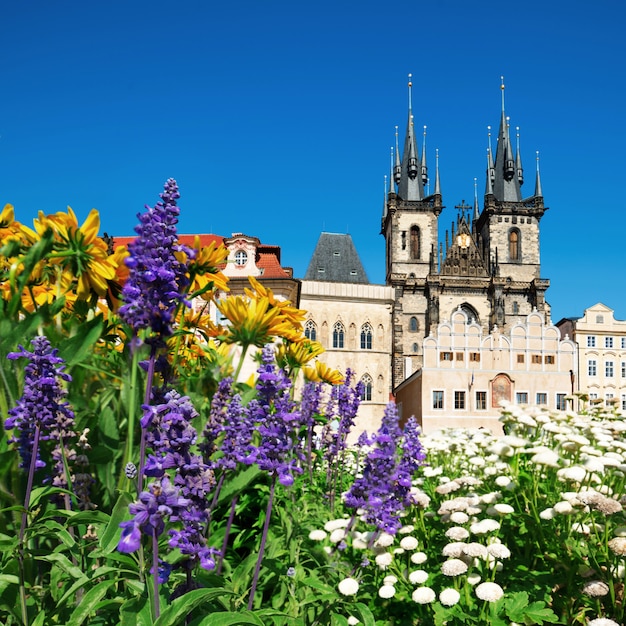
(338, 335)
(415, 242)
(310, 330)
(366, 392)
(413, 325)
(366, 337)
(514, 245)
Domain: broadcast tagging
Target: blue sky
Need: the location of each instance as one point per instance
(276, 118)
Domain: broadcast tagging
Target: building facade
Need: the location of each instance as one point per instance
(489, 265)
(467, 374)
(351, 318)
(601, 342)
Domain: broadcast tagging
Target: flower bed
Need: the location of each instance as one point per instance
(143, 482)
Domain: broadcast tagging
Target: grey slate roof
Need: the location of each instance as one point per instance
(336, 260)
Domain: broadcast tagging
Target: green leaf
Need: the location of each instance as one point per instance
(367, 617)
(111, 535)
(239, 483)
(338, 620)
(539, 613)
(89, 602)
(515, 605)
(136, 612)
(316, 584)
(78, 347)
(228, 619)
(61, 561)
(178, 610)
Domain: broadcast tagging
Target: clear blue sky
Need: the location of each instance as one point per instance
(276, 117)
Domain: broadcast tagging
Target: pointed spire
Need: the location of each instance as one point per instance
(491, 171)
(518, 160)
(397, 172)
(489, 183)
(538, 191)
(437, 183)
(410, 186)
(391, 175)
(476, 211)
(385, 198)
(423, 166)
(506, 185)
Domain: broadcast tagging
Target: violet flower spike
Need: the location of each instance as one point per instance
(157, 279)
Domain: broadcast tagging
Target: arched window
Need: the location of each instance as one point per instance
(470, 311)
(415, 242)
(514, 245)
(415, 348)
(310, 330)
(515, 308)
(414, 325)
(366, 392)
(339, 333)
(366, 337)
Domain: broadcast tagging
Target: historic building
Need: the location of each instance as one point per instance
(601, 341)
(351, 318)
(466, 373)
(489, 266)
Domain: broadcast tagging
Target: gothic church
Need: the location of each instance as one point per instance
(489, 266)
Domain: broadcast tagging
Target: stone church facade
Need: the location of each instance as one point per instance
(489, 265)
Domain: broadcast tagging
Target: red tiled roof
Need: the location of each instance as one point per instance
(205, 240)
(267, 258)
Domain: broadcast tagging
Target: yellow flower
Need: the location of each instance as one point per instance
(79, 250)
(255, 322)
(204, 272)
(296, 354)
(295, 315)
(321, 373)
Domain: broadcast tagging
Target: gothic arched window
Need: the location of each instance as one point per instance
(514, 245)
(366, 392)
(415, 242)
(339, 333)
(366, 337)
(310, 330)
(413, 324)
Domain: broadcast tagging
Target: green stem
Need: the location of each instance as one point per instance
(266, 527)
(132, 409)
(244, 350)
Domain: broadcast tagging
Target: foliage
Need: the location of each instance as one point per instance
(212, 475)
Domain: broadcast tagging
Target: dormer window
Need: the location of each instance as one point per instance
(241, 258)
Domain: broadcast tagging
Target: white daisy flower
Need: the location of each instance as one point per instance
(449, 597)
(418, 577)
(490, 592)
(423, 595)
(420, 557)
(408, 543)
(318, 535)
(348, 587)
(453, 567)
(387, 591)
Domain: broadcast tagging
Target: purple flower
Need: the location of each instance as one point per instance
(278, 423)
(346, 400)
(42, 405)
(157, 278)
(383, 491)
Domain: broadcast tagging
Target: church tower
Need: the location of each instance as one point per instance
(487, 265)
(409, 225)
(508, 231)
